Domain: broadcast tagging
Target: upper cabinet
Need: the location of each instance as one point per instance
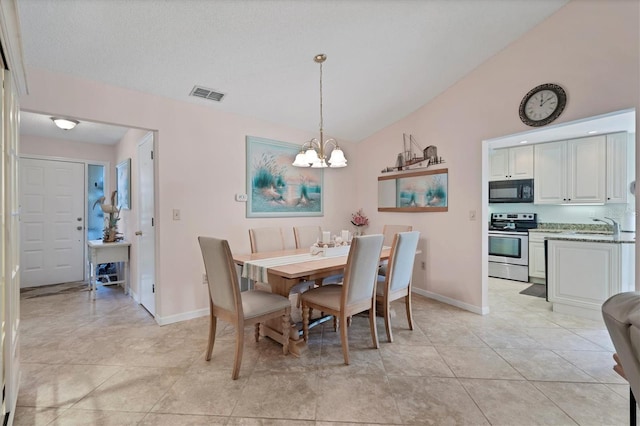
(617, 170)
(571, 172)
(511, 163)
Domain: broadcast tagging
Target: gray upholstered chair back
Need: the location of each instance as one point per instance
(389, 231)
(361, 272)
(402, 259)
(266, 239)
(621, 314)
(306, 236)
(221, 275)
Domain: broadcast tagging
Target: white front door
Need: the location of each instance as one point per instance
(52, 222)
(146, 233)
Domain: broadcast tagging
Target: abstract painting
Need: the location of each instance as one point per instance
(123, 184)
(275, 188)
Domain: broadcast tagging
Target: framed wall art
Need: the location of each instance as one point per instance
(123, 184)
(275, 188)
(422, 191)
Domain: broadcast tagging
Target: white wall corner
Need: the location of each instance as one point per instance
(11, 40)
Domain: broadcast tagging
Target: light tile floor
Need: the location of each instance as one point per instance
(108, 363)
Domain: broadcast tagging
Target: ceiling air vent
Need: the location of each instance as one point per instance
(203, 92)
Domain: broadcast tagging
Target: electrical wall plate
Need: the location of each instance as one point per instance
(241, 198)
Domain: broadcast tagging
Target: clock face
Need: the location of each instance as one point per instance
(542, 105)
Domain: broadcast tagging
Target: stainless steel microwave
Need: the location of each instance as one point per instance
(511, 191)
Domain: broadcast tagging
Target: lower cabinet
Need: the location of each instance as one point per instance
(582, 275)
(536, 256)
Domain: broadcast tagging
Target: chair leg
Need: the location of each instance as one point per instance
(286, 325)
(212, 337)
(344, 339)
(373, 325)
(305, 322)
(387, 319)
(257, 331)
(335, 323)
(407, 302)
(632, 408)
(239, 347)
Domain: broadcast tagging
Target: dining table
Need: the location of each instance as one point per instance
(285, 268)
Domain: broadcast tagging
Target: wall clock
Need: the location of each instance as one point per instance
(542, 105)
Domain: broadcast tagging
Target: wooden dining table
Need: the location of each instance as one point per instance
(282, 278)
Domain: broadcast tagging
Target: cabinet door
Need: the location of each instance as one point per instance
(521, 162)
(586, 170)
(536, 260)
(550, 173)
(499, 164)
(617, 144)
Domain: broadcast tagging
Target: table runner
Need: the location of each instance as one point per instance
(256, 270)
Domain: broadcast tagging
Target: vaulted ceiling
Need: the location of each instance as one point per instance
(386, 58)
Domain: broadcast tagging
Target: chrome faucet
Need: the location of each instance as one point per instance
(615, 225)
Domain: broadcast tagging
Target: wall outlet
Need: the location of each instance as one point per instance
(176, 214)
(241, 198)
(424, 266)
(204, 279)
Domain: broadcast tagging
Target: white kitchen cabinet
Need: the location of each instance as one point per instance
(536, 256)
(617, 175)
(511, 163)
(582, 275)
(570, 172)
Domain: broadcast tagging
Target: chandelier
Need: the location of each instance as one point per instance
(314, 152)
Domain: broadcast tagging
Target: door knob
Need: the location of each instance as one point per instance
(138, 232)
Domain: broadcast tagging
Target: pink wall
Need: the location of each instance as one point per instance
(200, 164)
(589, 47)
(66, 149)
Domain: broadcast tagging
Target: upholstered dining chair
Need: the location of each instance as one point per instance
(272, 239)
(306, 236)
(227, 303)
(621, 314)
(355, 295)
(389, 231)
(397, 283)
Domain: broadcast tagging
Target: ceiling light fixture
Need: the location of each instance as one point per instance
(65, 123)
(314, 152)
(592, 132)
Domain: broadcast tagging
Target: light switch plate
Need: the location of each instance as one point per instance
(241, 197)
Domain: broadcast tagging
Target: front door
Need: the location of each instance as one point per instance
(52, 222)
(146, 234)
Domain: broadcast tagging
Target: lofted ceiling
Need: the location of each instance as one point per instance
(385, 58)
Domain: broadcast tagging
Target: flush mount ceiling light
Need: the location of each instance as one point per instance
(65, 123)
(314, 152)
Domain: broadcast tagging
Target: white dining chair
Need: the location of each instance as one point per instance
(306, 236)
(355, 295)
(389, 231)
(227, 303)
(397, 283)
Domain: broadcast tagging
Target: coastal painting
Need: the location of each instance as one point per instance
(275, 188)
(429, 190)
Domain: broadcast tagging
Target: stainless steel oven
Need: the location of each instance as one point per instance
(509, 245)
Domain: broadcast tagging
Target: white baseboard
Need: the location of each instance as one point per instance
(182, 317)
(449, 301)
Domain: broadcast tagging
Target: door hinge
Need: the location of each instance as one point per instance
(153, 288)
(152, 222)
(152, 155)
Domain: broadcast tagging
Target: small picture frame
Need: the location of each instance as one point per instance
(123, 184)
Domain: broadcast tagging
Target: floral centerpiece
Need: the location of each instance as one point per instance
(360, 221)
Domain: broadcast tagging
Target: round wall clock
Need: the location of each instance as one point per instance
(542, 105)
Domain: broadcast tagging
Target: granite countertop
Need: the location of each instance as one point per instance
(583, 232)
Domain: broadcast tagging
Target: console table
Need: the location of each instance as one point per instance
(101, 252)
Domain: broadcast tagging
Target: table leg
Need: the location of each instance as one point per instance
(273, 328)
(92, 279)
